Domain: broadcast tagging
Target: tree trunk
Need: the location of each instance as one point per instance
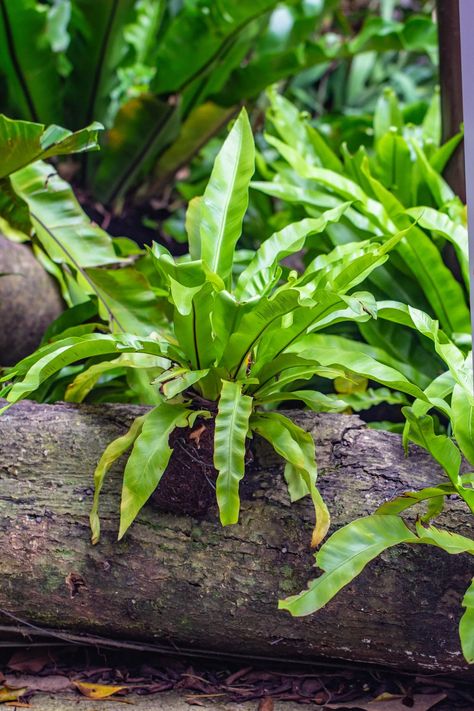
(451, 88)
(190, 582)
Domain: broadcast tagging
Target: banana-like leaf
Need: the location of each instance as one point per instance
(417, 34)
(111, 453)
(96, 48)
(126, 298)
(22, 142)
(344, 555)
(15, 220)
(231, 431)
(225, 199)
(466, 625)
(142, 33)
(203, 30)
(198, 128)
(149, 459)
(297, 448)
(28, 63)
(287, 241)
(62, 227)
(144, 126)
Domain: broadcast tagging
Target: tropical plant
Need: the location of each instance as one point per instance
(347, 552)
(396, 184)
(344, 96)
(37, 204)
(202, 337)
(163, 77)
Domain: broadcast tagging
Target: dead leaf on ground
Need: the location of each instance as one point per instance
(9, 694)
(266, 704)
(421, 702)
(51, 683)
(29, 660)
(97, 691)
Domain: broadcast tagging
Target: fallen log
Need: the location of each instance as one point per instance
(189, 582)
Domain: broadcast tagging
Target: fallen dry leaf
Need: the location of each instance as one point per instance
(50, 683)
(421, 702)
(97, 691)
(8, 694)
(195, 436)
(29, 660)
(266, 704)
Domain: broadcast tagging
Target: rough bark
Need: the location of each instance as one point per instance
(29, 301)
(192, 583)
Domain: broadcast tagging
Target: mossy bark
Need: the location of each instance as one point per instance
(192, 583)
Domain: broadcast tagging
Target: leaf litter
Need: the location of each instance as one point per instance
(97, 675)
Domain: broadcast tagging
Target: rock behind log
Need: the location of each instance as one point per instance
(29, 301)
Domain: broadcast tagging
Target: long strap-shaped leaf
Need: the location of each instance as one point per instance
(345, 555)
(48, 360)
(225, 199)
(466, 625)
(283, 243)
(232, 427)
(297, 448)
(149, 459)
(112, 452)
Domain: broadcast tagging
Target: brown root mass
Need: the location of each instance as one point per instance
(188, 485)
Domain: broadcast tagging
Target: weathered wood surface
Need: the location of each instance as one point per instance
(194, 584)
(29, 301)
